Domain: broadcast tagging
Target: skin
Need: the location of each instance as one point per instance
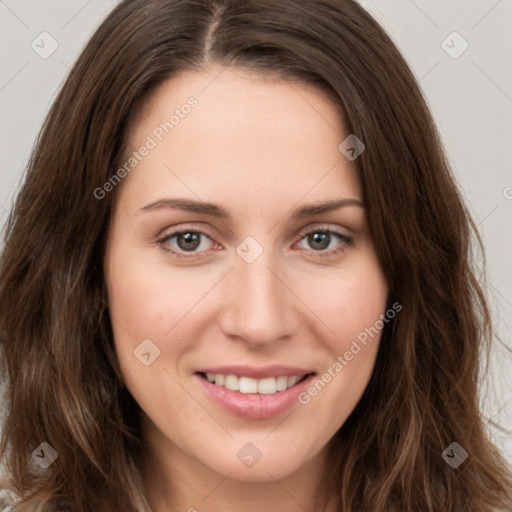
(260, 148)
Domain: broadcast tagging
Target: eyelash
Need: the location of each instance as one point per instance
(344, 239)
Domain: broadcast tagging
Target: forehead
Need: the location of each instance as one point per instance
(247, 135)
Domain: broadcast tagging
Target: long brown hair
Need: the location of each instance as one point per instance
(63, 383)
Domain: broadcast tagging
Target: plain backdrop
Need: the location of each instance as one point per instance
(458, 49)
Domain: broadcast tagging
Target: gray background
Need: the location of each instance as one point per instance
(470, 97)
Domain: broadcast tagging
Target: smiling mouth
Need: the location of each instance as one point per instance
(246, 385)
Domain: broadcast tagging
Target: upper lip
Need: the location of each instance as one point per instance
(261, 372)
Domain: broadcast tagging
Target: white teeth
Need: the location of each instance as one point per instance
(248, 385)
(267, 386)
(292, 381)
(231, 382)
(281, 383)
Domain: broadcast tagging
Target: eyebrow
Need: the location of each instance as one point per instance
(193, 206)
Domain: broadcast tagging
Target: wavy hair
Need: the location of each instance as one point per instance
(62, 378)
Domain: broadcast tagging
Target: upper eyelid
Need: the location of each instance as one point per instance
(322, 227)
(301, 232)
(186, 229)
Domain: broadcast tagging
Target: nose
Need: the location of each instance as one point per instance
(259, 308)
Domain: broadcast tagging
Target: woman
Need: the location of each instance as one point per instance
(238, 277)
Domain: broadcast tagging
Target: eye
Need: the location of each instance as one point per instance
(191, 241)
(186, 241)
(321, 239)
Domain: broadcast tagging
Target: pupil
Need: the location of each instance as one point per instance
(192, 241)
(320, 238)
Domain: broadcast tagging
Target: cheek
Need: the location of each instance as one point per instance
(353, 308)
(143, 307)
(350, 301)
(136, 302)
(145, 298)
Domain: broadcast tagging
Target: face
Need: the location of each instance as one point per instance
(236, 306)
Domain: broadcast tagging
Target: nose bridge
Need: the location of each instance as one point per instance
(259, 305)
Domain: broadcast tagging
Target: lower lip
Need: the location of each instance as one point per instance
(253, 405)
